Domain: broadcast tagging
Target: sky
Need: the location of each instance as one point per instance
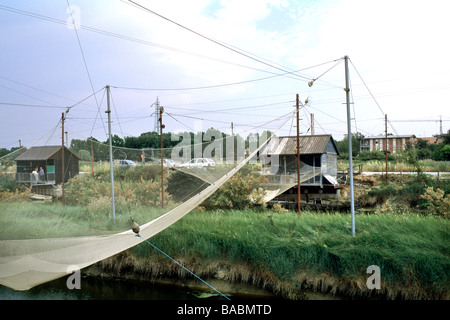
(211, 63)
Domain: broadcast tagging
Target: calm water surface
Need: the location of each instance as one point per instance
(100, 289)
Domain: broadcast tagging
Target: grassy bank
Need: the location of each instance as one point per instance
(316, 251)
(277, 251)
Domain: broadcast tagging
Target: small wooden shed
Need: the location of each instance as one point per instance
(49, 159)
(318, 167)
(318, 154)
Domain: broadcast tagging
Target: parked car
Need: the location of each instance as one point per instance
(127, 163)
(199, 163)
(169, 163)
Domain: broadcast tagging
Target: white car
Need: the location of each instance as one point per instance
(127, 163)
(169, 163)
(199, 163)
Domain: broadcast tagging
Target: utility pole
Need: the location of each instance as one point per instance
(161, 127)
(298, 156)
(312, 124)
(157, 112)
(386, 150)
(62, 156)
(108, 111)
(20, 146)
(349, 129)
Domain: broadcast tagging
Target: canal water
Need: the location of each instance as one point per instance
(100, 289)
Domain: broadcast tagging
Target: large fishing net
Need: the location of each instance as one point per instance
(166, 183)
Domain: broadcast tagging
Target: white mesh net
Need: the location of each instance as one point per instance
(27, 260)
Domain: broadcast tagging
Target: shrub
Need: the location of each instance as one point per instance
(238, 193)
(81, 189)
(436, 201)
(8, 183)
(148, 193)
(182, 185)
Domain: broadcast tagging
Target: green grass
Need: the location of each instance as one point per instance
(411, 250)
(28, 220)
(394, 165)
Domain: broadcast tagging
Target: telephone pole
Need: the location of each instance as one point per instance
(156, 127)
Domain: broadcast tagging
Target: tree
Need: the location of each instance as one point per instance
(116, 141)
(342, 146)
(423, 149)
(445, 153)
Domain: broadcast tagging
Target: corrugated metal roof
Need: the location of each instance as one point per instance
(41, 153)
(316, 144)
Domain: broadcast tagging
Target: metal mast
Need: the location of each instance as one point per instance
(298, 157)
(161, 127)
(62, 156)
(108, 111)
(350, 156)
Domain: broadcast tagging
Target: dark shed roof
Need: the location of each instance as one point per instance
(316, 144)
(41, 153)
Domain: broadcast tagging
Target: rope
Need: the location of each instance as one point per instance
(183, 266)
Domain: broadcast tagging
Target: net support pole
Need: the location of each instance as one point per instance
(62, 158)
(161, 127)
(298, 157)
(350, 156)
(108, 111)
(386, 149)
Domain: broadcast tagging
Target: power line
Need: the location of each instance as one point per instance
(84, 60)
(117, 115)
(34, 88)
(268, 105)
(127, 38)
(228, 84)
(30, 105)
(370, 92)
(203, 87)
(238, 51)
(419, 120)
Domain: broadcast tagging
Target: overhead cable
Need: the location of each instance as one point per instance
(238, 51)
